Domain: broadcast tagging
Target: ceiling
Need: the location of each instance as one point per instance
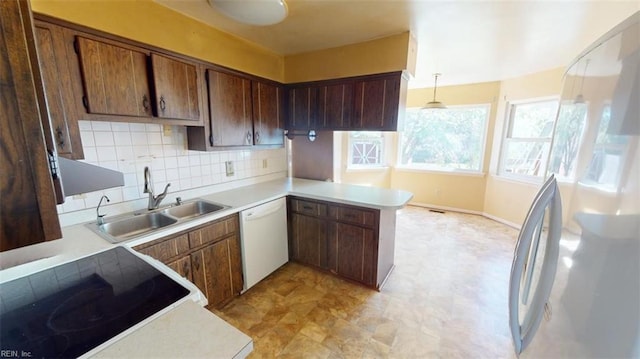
(466, 41)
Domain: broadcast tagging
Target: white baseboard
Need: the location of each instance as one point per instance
(467, 211)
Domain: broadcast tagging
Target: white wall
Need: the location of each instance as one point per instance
(129, 147)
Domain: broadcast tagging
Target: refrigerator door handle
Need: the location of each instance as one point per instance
(549, 196)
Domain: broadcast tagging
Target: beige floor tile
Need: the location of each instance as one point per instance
(446, 298)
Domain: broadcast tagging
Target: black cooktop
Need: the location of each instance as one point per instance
(66, 311)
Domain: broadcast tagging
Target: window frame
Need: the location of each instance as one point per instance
(444, 170)
(506, 139)
(352, 166)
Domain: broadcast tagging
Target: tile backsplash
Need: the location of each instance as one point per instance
(129, 147)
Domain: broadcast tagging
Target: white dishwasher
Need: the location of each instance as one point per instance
(263, 233)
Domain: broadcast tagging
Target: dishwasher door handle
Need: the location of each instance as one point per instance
(251, 215)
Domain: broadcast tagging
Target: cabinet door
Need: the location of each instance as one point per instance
(57, 89)
(335, 107)
(182, 266)
(28, 206)
(308, 240)
(230, 106)
(217, 270)
(176, 88)
(114, 78)
(267, 114)
(352, 253)
(377, 102)
(302, 108)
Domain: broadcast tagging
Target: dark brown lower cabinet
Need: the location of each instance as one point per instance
(352, 252)
(309, 240)
(208, 256)
(217, 270)
(352, 242)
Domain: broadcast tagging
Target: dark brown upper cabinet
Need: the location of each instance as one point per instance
(363, 103)
(28, 206)
(302, 107)
(268, 114)
(244, 111)
(58, 92)
(114, 78)
(378, 102)
(176, 88)
(335, 106)
(230, 109)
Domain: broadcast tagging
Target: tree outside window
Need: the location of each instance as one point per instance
(444, 139)
(527, 140)
(567, 138)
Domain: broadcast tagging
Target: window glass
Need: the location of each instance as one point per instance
(608, 152)
(365, 148)
(526, 145)
(444, 139)
(567, 139)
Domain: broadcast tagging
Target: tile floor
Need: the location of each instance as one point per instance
(446, 298)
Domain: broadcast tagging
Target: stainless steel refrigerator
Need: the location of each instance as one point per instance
(575, 280)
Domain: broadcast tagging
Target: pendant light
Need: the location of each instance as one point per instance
(580, 98)
(435, 104)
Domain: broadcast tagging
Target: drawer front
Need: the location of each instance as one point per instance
(214, 232)
(354, 215)
(167, 248)
(309, 208)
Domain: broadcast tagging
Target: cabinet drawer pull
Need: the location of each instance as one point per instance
(163, 104)
(145, 103)
(60, 136)
(350, 215)
(308, 208)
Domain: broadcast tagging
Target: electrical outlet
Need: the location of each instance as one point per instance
(80, 196)
(166, 130)
(228, 165)
(264, 163)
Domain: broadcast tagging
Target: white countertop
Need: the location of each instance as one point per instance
(79, 241)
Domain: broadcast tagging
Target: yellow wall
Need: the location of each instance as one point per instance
(504, 198)
(387, 54)
(151, 23)
(452, 190)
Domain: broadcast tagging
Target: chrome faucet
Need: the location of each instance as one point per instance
(100, 217)
(154, 201)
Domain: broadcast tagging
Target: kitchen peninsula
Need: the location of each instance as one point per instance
(347, 207)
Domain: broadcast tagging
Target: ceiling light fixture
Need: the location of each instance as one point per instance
(435, 104)
(252, 12)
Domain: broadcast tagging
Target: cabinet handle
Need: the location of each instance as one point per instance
(257, 136)
(60, 136)
(145, 103)
(163, 104)
(249, 137)
(309, 208)
(211, 140)
(350, 215)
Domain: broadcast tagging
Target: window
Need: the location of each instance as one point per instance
(444, 139)
(608, 156)
(525, 148)
(567, 139)
(365, 149)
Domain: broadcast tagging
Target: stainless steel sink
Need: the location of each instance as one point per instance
(193, 209)
(136, 225)
(133, 225)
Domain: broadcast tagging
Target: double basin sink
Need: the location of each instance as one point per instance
(129, 226)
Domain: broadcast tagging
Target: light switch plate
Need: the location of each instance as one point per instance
(264, 163)
(228, 165)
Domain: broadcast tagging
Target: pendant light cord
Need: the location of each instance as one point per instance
(435, 87)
